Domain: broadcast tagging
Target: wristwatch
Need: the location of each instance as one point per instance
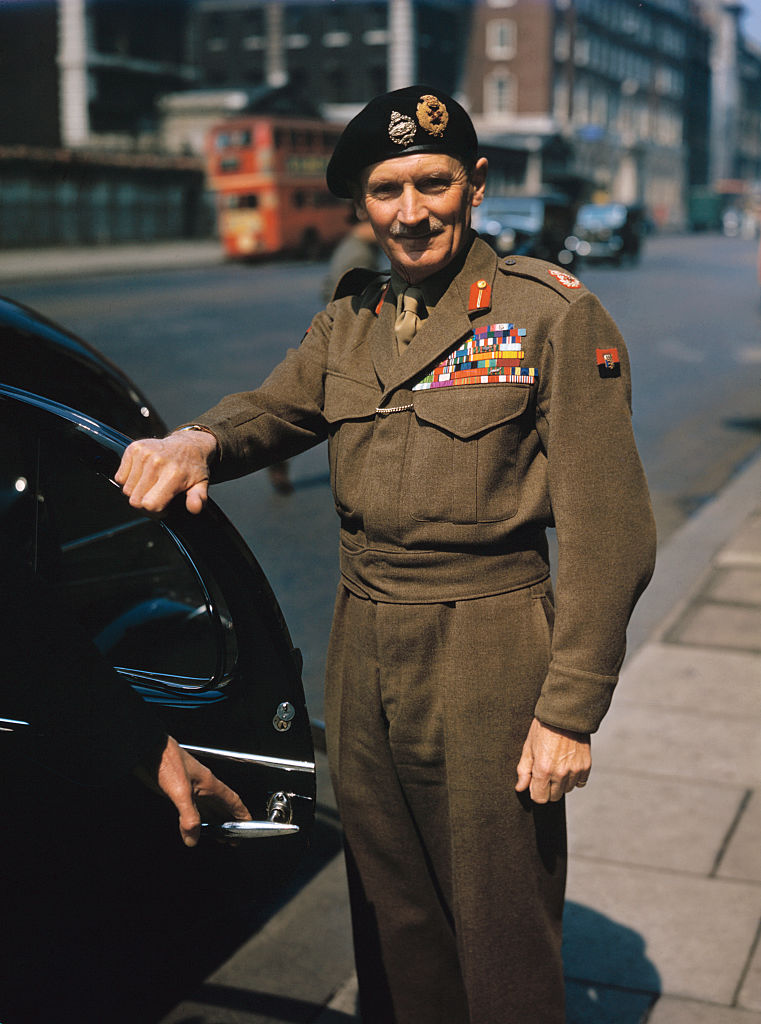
(199, 426)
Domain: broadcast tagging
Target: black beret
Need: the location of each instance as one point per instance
(417, 119)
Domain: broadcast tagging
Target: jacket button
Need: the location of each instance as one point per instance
(510, 263)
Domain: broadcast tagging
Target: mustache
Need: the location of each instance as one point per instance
(431, 226)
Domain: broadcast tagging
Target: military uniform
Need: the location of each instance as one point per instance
(508, 413)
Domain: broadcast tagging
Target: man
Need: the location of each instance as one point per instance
(469, 403)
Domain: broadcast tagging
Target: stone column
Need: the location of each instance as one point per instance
(74, 111)
(402, 55)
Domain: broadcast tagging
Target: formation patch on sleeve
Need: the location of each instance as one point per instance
(608, 362)
(566, 279)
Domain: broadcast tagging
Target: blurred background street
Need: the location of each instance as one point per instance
(162, 195)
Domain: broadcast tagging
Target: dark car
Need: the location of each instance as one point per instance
(526, 225)
(96, 877)
(608, 231)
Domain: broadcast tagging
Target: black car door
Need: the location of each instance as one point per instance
(182, 610)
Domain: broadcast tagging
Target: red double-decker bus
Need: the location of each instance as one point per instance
(268, 174)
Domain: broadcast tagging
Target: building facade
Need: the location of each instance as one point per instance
(609, 76)
(634, 100)
(338, 54)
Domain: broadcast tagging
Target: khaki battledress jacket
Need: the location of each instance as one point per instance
(444, 488)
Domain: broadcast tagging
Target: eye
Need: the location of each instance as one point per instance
(430, 186)
(382, 190)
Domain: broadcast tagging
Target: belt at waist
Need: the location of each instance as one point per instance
(430, 577)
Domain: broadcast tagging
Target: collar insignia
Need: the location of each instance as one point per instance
(480, 296)
(382, 299)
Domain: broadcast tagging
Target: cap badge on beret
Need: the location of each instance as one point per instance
(401, 129)
(432, 115)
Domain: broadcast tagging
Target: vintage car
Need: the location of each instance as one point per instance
(608, 231)
(526, 225)
(96, 878)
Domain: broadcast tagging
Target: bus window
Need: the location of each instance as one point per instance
(247, 202)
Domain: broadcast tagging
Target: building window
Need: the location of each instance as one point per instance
(253, 42)
(500, 39)
(581, 104)
(335, 39)
(376, 37)
(499, 92)
(562, 44)
(598, 112)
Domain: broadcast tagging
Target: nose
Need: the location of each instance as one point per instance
(412, 208)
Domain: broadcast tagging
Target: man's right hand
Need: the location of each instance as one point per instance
(153, 471)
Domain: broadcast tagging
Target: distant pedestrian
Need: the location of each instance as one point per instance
(358, 248)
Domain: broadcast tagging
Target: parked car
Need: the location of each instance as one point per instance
(96, 879)
(608, 231)
(526, 225)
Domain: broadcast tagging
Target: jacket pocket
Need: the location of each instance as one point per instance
(461, 465)
(349, 409)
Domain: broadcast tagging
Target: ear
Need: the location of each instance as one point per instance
(360, 211)
(478, 181)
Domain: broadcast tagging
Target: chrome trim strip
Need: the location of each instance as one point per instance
(284, 763)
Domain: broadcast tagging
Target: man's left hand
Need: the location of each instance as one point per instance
(553, 762)
(191, 787)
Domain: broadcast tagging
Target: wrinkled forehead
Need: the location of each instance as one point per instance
(412, 168)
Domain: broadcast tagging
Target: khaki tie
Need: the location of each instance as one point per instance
(409, 308)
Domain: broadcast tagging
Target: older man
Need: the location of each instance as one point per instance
(469, 402)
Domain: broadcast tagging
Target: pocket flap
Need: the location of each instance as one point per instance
(347, 399)
(470, 409)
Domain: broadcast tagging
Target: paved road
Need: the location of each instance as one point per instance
(690, 312)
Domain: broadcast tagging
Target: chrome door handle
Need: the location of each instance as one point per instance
(278, 823)
(236, 830)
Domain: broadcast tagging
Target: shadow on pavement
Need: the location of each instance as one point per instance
(609, 978)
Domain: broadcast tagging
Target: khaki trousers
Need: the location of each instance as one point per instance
(456, 882)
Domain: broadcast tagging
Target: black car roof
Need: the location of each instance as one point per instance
(42, 357)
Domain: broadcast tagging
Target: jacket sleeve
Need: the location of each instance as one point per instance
(601, 508)
(282, 417)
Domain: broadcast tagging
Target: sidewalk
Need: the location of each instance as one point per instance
(664, 890)
(48, 264)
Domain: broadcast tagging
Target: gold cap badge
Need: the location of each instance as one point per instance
(432, 115)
